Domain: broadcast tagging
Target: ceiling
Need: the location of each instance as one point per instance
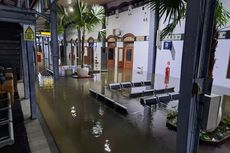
(68, 2)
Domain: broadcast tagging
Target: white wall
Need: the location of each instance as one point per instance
(140, 57)
(174, 56)
(130, 23)
(222, 56)
(226, 4)
(221, 65)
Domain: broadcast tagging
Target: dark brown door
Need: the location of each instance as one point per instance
(110, 57)
(228, 73)
(128, 58)
(120, 57)
(72, 55)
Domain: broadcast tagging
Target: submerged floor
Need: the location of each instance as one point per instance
(81, 124)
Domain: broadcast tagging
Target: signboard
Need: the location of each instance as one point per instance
(140, 38)
(29, 32)
(129, 39)
(174, 37)
(222, 35)
(167, 45)
(48, 34)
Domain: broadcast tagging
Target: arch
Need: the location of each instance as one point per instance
(129, 37)
(91, 40)
(76, 41)
(111, 38)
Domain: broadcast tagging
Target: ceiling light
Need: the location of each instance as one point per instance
(70, 9)
(69, 1)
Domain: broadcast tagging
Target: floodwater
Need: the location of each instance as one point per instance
(81, 124)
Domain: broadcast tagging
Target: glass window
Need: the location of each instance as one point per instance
(86, 51)
(129, 55)
(110, 54)
(120, 57)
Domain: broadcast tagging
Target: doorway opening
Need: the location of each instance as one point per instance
(110, 51)
(228, 72)
(89, 53)
(128, 51)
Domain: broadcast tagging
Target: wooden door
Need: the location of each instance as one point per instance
(110, 57)
(86, 56)
(91, 57)
(120, 57)
(128, 58)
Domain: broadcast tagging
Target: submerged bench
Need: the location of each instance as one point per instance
(109, 102)
(156, 99)
(150, 92)
(124, 85)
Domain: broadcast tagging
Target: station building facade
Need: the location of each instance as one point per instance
(129, 43)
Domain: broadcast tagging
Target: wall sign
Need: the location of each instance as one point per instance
(167, 45)
(129, 39)
(180, 37)
(29, 32)
(140, 38)
(174, 37)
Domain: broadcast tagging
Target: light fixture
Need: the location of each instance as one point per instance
(70, 9)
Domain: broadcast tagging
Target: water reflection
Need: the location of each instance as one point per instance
(92, 128)
(226, 105)
(73, 111)
(101, 111)
(107, 146)
(97, 129)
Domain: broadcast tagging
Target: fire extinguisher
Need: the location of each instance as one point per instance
(167, 73)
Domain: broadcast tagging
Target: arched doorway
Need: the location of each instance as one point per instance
(89, 52)
(111, 40)
(72, 56)
(62, 54)
(78, 53)
(127, 55)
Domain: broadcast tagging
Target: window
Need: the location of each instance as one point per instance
(129, 55)
(110, 56)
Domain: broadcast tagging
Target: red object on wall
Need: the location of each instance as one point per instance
(39, 58)
(167, 73)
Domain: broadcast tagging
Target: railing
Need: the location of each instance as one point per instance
(6, 121)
